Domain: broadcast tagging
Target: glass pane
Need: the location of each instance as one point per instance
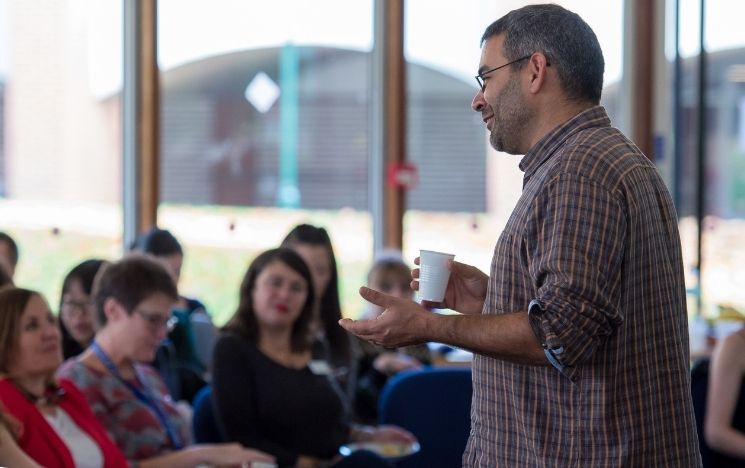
(60, 148)
(723, 243)
(685, 190)
(447, 140)
(265, 125)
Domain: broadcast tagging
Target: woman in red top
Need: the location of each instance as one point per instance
(56, 425)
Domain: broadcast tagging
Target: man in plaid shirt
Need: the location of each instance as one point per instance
(580, 329)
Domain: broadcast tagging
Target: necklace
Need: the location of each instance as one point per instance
(52, 394)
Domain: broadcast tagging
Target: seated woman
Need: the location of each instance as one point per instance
(56, 425)
(390, 275)
(133, 299)
(724, 423)
(267, 391)
(76, 311)
(331, 343)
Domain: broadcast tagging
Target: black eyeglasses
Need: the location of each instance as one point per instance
(156, 321)
(480, 76)
(74, 308)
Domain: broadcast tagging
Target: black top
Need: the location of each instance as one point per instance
(721, 460)
(699, 391)
(282, 411)
(70, 347)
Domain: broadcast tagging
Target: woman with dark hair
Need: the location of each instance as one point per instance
(55, 424)
(76, 310)
(160, 243)
(267, 390)
(331, 342)
(183, 359)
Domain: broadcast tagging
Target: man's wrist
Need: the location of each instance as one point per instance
(435, 326)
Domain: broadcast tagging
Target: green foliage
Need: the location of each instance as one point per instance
(219, 244)
(47, 255)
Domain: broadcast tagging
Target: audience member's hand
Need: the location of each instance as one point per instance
(231, 454)
(390, 433)
(466, 290)
(391, 363)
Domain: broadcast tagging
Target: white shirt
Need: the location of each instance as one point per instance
(84, 450)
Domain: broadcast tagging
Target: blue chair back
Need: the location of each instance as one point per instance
(435, 405)
(204, 421)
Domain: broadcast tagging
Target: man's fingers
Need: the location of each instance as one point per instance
(360, 328)
(416, 261)
(415, 278)
(376, 297)
(462, 269)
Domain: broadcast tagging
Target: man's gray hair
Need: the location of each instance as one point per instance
(568, 43)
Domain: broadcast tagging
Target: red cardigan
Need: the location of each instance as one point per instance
(41, 442)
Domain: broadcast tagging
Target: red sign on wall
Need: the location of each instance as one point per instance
(402, 175)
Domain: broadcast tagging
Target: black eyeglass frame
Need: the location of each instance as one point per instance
(480, 76)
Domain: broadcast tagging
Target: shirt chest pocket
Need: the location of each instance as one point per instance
(510, 285)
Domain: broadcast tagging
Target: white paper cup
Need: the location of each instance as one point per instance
(433, 275)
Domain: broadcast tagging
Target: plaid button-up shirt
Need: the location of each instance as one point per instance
(592, 251)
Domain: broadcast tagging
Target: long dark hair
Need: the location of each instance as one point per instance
(13, 302)
(5, 279)
(330, 307)
(244, 320)
(84, 273)
(158, 242)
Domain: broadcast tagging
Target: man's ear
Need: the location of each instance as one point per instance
(538, 70)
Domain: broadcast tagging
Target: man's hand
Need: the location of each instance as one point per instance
(466, 290)
(402, 323)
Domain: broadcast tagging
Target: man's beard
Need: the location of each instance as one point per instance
(511, 118)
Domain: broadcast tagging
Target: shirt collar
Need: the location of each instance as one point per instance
(546, 146)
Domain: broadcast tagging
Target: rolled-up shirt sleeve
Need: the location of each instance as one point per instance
(574, 245)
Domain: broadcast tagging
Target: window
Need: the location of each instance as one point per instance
(60, 147)
(722, 248)
(264, 126)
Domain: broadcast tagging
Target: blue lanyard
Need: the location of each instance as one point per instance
(141, 394)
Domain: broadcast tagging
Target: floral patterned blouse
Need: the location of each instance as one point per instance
(134, 427)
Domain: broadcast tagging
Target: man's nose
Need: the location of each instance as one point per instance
(478, 102)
